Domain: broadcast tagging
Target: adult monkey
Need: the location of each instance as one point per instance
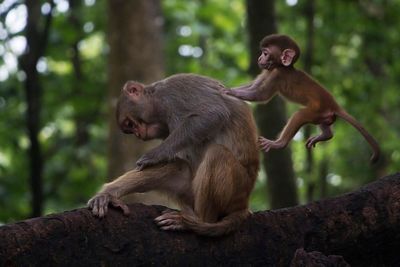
(208, 160)
(278, 54)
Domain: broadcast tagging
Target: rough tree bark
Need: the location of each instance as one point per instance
(363, 227)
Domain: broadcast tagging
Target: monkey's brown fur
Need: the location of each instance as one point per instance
(279, 53)
(208, 160)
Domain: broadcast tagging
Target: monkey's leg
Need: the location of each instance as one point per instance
(298, 119)
(172, 178)
(325, 135)
(221, 189)
(221, 184)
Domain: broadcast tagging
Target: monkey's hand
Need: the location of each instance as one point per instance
(99, 204)
(152, 158)
(228, 91)
(146, 161)
(266, 144)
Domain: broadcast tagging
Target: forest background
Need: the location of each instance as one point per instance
(63, 62)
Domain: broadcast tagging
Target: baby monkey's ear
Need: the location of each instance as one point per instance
(287, 57)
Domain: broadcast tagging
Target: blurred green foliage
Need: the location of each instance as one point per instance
(356, 57)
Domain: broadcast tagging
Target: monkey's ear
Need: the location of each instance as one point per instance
(133, 89)
(287, 57)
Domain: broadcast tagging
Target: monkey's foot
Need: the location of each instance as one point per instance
(99, 204)
(311, 142)
(266, 144)
(170, 221)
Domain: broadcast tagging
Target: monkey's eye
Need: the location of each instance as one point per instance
(265, 52)
(129, 123)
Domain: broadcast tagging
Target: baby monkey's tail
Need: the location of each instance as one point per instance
(374, 145)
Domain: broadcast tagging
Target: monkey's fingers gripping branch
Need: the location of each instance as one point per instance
(99, 204)
(171, 220)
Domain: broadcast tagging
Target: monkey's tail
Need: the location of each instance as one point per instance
(374, 145)
(225, 226)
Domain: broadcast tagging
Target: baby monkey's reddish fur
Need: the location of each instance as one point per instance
(278, 54)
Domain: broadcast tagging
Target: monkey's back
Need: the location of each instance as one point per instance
(240, 136)
(307, 91)
(194, 94)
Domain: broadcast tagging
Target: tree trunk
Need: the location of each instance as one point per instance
(136, 53)
(82, 119)
(362, 226)
(309, 13)
(37, 32)
(271, 117)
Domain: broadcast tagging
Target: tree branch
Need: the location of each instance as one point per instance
(362, 226)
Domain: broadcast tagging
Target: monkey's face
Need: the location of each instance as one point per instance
(129, 125)
(141, 129)
(273, 56)
(136, 114)
(269, 57)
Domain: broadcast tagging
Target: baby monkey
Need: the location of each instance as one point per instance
(278, 55)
